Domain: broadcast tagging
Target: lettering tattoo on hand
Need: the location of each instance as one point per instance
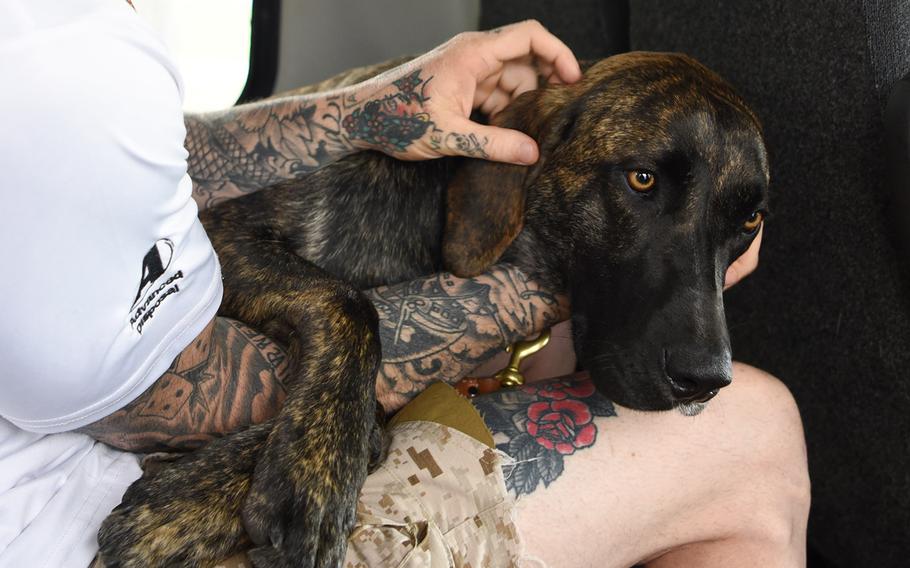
(541, 425)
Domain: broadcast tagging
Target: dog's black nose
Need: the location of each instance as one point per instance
(696, 375)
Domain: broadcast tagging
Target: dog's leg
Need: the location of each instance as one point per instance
(295, 481)
(302, 500)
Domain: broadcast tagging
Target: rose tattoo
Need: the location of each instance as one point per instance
(538, 425)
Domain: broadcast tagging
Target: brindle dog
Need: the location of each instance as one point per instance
(652, 178)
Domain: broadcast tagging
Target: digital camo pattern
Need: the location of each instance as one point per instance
(458, 482)
(439, 495)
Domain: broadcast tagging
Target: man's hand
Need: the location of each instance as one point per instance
(433, 95)
(414, 112)
(745, 264)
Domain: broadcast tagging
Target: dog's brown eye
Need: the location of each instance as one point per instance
(640, 180)
(753, 222)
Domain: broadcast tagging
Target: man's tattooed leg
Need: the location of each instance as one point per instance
(443, 327)
(228, 378)
(541, 425)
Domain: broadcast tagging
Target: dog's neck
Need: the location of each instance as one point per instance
(534, 256)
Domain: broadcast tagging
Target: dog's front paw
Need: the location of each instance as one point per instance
(301, 506)
(185, 513)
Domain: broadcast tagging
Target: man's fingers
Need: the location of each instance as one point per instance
(517, 78)
(487, 71)
(497, 144)
(546, 71)
(495, 102)
(484, 89)
(530, 37)
(567, 68)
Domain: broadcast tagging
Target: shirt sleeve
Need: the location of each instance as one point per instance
(108, 273)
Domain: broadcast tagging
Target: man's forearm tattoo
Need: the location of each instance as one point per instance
(443, 327)
(254, 146)
(248, 148)
(540, 425)
(228, 378)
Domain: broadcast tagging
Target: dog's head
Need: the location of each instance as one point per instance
(652, 179)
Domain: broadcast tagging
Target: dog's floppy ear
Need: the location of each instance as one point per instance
(485, 212)
(485, 200)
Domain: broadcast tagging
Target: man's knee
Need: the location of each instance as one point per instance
(766, 416)
(767, 433)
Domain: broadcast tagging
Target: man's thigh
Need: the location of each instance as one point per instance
(439, 496)
(634, 485)
(596, 484)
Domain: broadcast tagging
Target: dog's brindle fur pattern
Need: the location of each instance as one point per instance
(644, 273)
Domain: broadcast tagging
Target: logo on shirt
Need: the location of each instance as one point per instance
(151, 292)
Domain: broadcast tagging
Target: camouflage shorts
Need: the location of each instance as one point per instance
(438, 501)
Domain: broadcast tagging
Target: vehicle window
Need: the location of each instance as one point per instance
(210, 42)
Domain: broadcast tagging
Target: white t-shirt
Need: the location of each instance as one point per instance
(106, 271)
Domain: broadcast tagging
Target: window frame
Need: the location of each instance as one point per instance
(265, 30)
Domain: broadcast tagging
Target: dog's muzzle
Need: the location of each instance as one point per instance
(695, 375)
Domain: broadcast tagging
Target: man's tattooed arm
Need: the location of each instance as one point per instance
(443, 327)
(253, 146)
(228, 378)
(231, 376)
(541, 425)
